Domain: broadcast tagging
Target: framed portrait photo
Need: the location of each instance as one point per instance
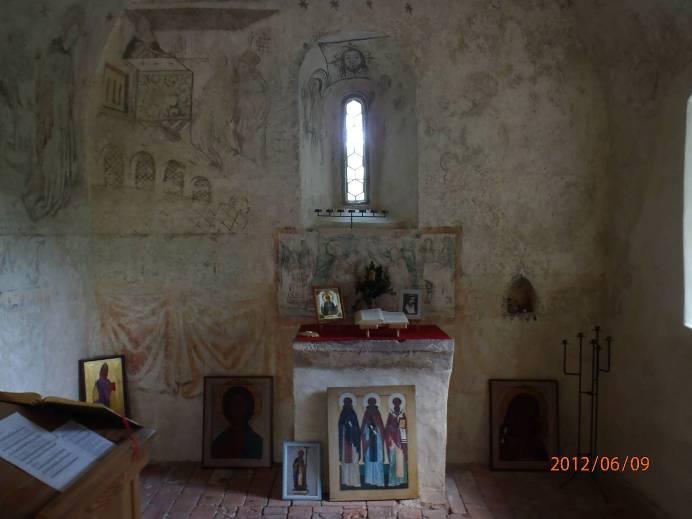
(410, 302)
(103, 380)
(328, 304)
(372, 443)
(523, 424)
(301, 471)
(237, 423)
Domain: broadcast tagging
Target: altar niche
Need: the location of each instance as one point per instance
(372, 443)
(348, 80)
(339, 359)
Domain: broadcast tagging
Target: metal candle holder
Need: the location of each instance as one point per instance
(592, 392)
(351, 214)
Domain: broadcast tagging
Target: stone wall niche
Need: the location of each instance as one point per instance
(521, 299)
(370, 66)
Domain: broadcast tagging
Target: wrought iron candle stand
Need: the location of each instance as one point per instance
(592, 392)
(351, 214)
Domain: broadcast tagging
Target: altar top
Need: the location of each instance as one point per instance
(351, 332)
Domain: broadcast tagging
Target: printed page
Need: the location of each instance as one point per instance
(394, 318)
(84, 438)
(372, 316)
(42, 454)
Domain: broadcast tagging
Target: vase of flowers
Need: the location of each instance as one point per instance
(373, 284)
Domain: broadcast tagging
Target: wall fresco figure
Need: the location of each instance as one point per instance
(250, 109)
(312, 94)
(211, 125)
(55, 170)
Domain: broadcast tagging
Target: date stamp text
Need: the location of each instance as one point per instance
(600, 463)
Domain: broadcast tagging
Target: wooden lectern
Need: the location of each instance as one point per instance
(108, 490)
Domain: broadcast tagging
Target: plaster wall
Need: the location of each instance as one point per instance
(643, 52)
(512, 149)
(44, 215)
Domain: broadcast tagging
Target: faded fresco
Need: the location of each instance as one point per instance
(413, 260)
(371, 66)
(240, 126)
(55, 168)
(175, 261)
(171, 341)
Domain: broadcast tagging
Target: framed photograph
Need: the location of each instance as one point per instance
(372, 443)
(328, 304)
(410, 303)
(237, 423)
(301, 471)
(102, 380)
(523, 424)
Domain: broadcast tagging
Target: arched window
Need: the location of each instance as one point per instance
(144, 171)
(358, 144)
(113, 166)
(174, 178)
(355, 152)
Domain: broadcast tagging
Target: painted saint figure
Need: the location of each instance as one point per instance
(312, 105)
(103, 387)
(522, 432)
(349, 445)
(396, 439)
(55, 149)
(372, 433)
(328, 306)
(352, 63)
(239, 440)
(250, 110)
(300, 484)
(211, 127)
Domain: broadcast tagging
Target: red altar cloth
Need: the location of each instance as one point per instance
(351, 332)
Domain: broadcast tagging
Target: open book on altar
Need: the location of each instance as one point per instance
(375, 317)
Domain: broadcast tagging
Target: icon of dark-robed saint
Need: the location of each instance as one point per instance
(522, 430)
(239, 440)
(349, 444)
(300, 483)
(372, 434)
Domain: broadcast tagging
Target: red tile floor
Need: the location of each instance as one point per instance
(184, 490)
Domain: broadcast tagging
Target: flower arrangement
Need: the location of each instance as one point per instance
(374, 283)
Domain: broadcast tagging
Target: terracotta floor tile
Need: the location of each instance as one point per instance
(184, 490)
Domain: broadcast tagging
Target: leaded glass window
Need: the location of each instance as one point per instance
(355, 152)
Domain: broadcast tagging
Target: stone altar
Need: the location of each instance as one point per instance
(342, 356)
